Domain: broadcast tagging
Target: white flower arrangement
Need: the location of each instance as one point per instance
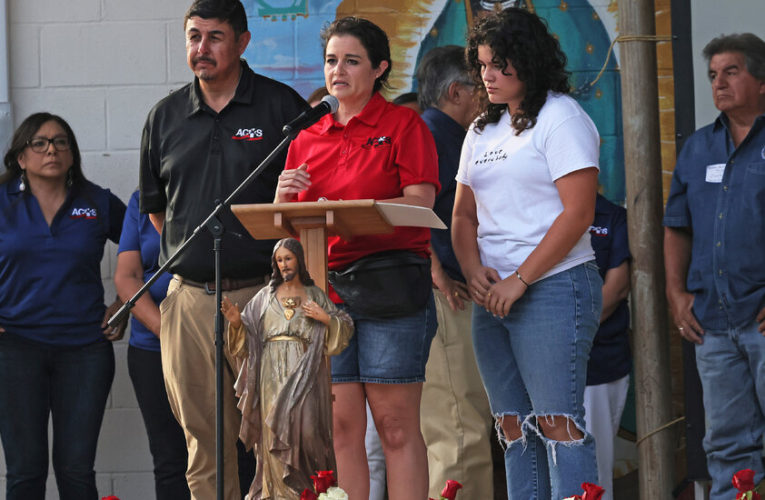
(334, 493)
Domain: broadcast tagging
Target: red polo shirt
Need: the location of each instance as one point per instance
(379, 152)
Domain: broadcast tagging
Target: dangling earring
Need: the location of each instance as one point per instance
(22, 184)
(69, 178)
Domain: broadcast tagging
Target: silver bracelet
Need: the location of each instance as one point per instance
(521, 278)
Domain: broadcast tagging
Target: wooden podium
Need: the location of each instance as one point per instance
(312, 222)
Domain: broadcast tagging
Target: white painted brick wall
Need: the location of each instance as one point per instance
(106, 53)
(101, 64)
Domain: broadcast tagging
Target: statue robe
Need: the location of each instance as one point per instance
(284, 390)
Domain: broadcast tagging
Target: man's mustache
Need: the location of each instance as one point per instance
(206, 59)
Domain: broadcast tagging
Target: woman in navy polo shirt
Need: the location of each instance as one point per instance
(136, 264)
(56, 356)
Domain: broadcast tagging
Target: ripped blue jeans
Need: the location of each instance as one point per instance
(533, 364)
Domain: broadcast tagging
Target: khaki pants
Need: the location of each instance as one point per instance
(188, 362)
(456, 419)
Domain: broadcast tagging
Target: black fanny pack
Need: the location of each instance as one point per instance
(385, 285)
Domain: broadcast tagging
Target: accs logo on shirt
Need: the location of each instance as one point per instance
(598, 231)
(83, 213)
(377, 142)
(248, 134)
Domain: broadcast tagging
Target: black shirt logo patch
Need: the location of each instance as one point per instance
(248, 134)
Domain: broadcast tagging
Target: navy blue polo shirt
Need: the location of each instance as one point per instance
(139, 234)
(50, 277)
(718, 192)
(610, 358)
(449, 136)
(191, 156)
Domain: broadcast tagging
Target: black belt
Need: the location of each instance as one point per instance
(227, 284)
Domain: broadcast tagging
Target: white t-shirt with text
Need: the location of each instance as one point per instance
(513, 180)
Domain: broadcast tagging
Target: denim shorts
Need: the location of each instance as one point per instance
(387, 351)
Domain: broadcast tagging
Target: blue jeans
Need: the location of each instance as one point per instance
(69, 383)
(731, 365)
(533, 364)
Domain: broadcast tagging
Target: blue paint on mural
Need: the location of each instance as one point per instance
(289, 50)
(281, 9)
(585, 41)
(450, 28)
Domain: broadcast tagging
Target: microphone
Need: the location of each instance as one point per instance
(310, 116)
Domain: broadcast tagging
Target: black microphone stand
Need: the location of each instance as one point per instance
(215, 226)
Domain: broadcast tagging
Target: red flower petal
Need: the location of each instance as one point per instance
(323, 480)
(743, 480)
(308, 495)
(592, 491)
(450, 490)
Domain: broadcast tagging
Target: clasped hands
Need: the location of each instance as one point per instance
(495, 294)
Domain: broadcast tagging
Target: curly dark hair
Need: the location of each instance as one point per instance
(522, 38)
(296, 248)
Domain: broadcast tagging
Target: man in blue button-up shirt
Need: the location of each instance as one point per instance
(714, 250)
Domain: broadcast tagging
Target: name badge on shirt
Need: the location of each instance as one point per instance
(715, 172)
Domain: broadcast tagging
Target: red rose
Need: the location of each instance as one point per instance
(323, 480)
(450, 490)
(592, 491)
(743, 480)
(110, 497)
(308, 495)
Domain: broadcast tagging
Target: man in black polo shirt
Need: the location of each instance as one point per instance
(198, 144)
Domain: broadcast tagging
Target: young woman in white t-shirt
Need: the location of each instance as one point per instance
(525, 198)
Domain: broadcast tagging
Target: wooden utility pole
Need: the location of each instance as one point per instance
(644, 212)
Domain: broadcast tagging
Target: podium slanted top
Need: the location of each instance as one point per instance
(345, 218)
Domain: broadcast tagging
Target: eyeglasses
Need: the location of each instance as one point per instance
(40, 144)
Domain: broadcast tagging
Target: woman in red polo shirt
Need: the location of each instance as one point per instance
(370, 148)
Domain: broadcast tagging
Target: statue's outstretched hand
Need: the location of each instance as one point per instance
(231, 312)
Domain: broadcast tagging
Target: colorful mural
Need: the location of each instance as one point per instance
(286, 46)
